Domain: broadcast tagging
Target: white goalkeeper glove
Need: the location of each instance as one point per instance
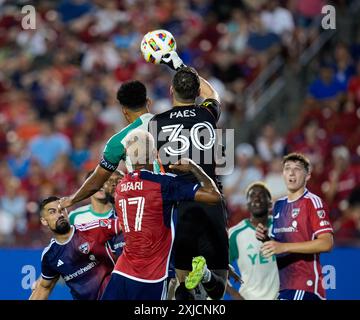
(172, 60)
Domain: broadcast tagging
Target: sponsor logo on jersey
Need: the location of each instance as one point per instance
(250, 246)
(206, 104)
(293, 228)
(321, 213)
(295, 212)
(59, 263)
(277, 215)
(324, 223)
(92, 257)
(80, 271)
(84, 248)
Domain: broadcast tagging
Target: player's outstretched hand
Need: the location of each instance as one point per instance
(65, 202)
(262, 233)
(172, 60)
(183, 165)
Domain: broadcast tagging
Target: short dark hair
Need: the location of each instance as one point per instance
(132, 95)
(298, 157)
(186, 84)
(258, 184)
(46, 201)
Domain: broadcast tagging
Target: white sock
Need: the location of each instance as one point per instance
(207, 275)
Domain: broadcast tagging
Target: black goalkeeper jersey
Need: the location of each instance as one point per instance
(188, 132)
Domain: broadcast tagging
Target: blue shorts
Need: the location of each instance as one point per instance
(122, 288)
(297, 295)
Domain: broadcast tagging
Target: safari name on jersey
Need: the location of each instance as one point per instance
(131, 186)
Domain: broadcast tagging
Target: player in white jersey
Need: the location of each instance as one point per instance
(260, 275)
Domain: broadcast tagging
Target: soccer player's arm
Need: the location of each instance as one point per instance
(113, 153)
(43, 289)
(207, 91)
(321, 226)
(206, 191)
(46, 283)
(322, 241)
(322, 231)
(211, 98)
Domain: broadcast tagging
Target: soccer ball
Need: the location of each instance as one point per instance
(155, 44)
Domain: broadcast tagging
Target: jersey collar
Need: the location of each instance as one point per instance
(145, 115)
(290, 201)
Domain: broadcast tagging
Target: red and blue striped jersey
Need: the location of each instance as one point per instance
(298, 221)
(145, 203)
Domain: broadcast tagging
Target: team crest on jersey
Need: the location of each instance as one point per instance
(104, 223)
(295, 212)
(84, 248)
(321, 214)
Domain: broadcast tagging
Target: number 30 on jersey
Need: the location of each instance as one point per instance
(176, 136)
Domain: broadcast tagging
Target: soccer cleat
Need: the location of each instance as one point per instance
(195, 276)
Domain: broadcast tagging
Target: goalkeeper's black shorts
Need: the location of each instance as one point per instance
(201, 230)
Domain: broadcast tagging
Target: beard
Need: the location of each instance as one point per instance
(62, 226)
(110, 198)
(260, 213)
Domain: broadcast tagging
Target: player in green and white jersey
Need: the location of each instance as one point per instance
(134, 104)
(99, 207)
(260, 275)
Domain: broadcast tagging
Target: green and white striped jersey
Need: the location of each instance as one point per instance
(86, 214)
(260, 275)
(114, 150)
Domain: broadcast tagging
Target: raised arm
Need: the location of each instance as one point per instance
(207, 91)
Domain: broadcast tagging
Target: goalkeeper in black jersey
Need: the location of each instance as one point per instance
(189, 130)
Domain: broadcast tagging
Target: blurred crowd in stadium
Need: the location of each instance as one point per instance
(58, 97)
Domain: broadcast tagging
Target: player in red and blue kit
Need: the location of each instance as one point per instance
(301, 231)
(145, 203)
(80, 254)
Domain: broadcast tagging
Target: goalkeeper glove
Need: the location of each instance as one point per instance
(172, 60)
